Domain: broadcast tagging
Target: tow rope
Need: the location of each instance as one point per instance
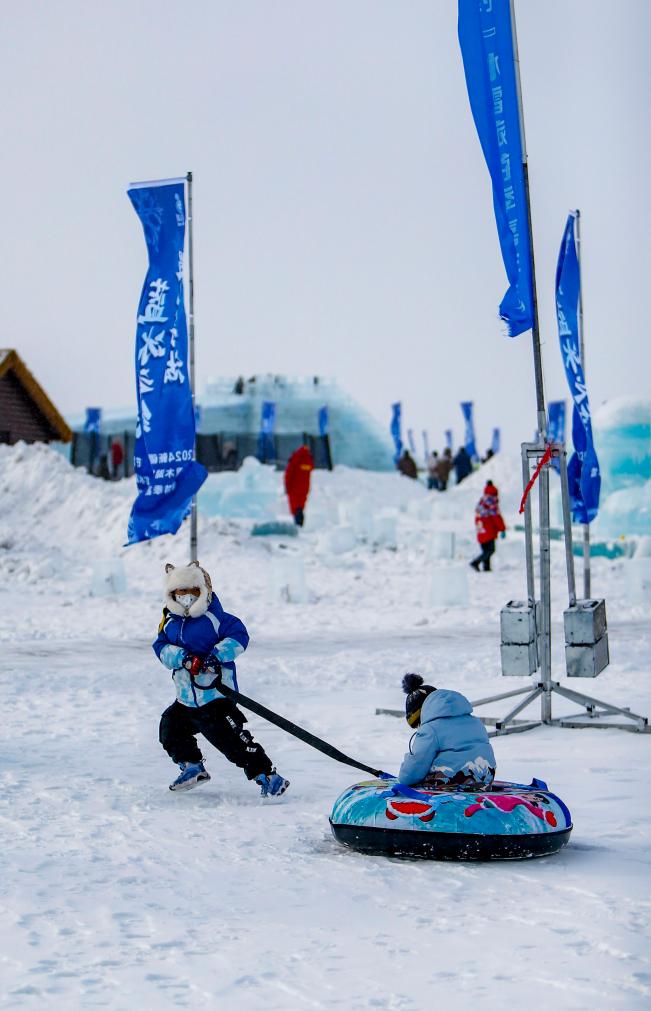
(284, 724)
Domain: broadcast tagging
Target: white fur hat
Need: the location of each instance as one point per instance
(181, 578)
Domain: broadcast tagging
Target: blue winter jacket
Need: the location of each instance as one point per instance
(215, 632)
(449, 740)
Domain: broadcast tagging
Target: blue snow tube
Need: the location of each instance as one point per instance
(505, 821)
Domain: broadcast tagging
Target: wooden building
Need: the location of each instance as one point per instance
(26, 412)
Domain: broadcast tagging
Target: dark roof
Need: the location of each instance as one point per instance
(27, 393)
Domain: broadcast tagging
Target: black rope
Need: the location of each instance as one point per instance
(288, 726)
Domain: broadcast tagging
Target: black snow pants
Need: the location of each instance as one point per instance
(222, 724)
(487, 551)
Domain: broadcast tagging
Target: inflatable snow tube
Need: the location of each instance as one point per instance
(506, 821)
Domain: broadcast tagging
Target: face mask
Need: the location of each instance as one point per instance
(186, 599)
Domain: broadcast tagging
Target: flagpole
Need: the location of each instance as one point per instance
(193, 508)
(543, 486)
(540, 638)
(586, 526)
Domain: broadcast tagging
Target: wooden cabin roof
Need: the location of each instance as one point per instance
(14, 371)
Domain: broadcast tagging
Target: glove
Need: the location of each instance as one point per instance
(503, 534)
(212, 664)
(190, 661)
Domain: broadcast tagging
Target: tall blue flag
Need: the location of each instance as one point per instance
(469, 441)
(486, 39)
(556, 427)
(324, 420)
(266, 449)
(410, 440)
(496, 441)
(556, 421)
(426, 444)
(583, 467)
(167, 475)
(93, 422)
(396, 430)
(448, 438)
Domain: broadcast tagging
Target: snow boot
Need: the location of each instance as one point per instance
(272, 785)
(475, 565)
(192, 774)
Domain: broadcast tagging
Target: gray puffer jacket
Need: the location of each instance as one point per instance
(449, 740)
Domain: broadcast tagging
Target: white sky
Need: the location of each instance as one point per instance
(343, 216)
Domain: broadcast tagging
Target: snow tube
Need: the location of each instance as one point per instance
(506, 821)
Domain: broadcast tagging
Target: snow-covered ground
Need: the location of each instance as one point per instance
(116, 893)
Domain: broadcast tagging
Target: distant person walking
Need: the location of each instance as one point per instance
(462, 464)
(443, 468)
(489, 525)
(297, 482)
(117, 459)
(407, 465)
(432, 471)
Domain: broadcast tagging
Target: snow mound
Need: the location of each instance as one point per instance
(53, 514)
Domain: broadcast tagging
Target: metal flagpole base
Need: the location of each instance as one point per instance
(595, 710)
(595, 716)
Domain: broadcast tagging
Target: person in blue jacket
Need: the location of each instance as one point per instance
(194, 625)
(450, 747)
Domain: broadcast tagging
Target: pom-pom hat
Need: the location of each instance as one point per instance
(416, 692)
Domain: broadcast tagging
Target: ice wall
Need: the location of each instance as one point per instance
(622, 431)
(356, 438)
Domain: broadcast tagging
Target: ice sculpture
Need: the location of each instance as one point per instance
(287, 579)
(356, 438)
(252, 492)
(107, 577)
(449, 586)
(340, 539)
(622, 429)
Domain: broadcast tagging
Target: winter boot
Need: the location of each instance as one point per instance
(192, 774)
(475, 565)
(272, 785)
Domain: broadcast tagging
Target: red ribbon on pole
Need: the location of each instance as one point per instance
(544, 460)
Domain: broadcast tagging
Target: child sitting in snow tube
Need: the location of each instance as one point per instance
(196, 632)
(450, 747)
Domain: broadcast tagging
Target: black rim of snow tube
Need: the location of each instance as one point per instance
(449, 845)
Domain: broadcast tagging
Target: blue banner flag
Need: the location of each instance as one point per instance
(167, 475)
(410, 440)
(266, 448)
(93, 420)
(556, 421)
(448, 438)
(583, 467)
(426, 444)
(324, 420)
(486, 40)
(496, 441)
(396, 430)
(556, 427)
(469, 442)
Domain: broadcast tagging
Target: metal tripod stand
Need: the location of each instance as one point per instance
(593, 710)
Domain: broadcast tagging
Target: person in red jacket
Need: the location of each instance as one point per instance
(297, 482)
(117, 459)
(489, 524)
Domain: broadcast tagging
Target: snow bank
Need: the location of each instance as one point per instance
(53, 515)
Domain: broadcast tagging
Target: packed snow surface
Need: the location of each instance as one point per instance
(116, 893)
